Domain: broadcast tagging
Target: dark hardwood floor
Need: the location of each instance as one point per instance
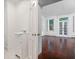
(57, 48)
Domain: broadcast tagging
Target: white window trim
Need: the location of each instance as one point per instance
(48, 25)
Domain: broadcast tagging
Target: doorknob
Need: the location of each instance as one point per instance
(33, 34)
(36, 34)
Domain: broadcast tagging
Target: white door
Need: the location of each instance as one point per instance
(63, 28)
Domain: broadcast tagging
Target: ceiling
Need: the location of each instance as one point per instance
(16, 1)
(53, 7)
(47, 2)
(40, 2)
(60, 8)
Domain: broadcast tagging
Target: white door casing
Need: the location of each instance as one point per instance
(33, 30)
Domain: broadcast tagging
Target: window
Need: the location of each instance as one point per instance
(63, 24)
(65, 28)
(63, 19)
(51, 24)
(60, 28)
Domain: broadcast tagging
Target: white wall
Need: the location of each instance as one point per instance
(44, 25)
(17, 17)
(55, 32)
(10, 25)
(56, 10)
(11, 19)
